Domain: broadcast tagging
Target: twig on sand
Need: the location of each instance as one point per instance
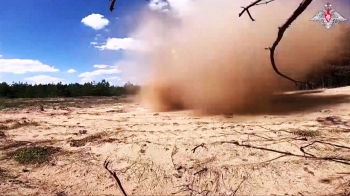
(175, 150)
(201, 171)
(195, 148)
(239, 186)
(310, 156)
(106, 164)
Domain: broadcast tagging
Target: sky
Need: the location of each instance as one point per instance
(68, 41)
(44, 41)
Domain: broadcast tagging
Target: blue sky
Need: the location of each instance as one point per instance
(44, 41)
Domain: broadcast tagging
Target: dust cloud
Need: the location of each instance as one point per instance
(208, 59)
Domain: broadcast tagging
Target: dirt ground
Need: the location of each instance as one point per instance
(301, 152)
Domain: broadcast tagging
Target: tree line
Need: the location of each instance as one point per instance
(337, 76)
(102, 88)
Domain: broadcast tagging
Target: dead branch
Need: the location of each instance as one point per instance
(106, 164)
(281, 31)
(239, 186)
(306, 153)
(303, 5)
(201, 171)
(195, 148)
(255, 3)
(175, 150)
(333, 159)
(111, 6)
(302, 149)
(187, 188)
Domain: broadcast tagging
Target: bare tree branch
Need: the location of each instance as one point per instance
(239, 186)
(195, 148)
(303, 5)
(255, 3)
(345, 161)
(106, 164)
(111, 7)
(201, 171)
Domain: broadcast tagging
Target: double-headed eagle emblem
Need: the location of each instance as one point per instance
(328, 16)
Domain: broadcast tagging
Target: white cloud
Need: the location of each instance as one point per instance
(100, 66)
(95, 21)
(114, 78)
(0, 56)
(21, 66)
(71, 71)
(126, 64)
(89, 76)
(93, 43)
(121, 44)
(43, 79)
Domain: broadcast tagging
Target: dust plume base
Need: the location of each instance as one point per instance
(214, 62)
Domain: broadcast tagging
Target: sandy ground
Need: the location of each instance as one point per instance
(301, 152)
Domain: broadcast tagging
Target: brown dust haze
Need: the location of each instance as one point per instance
(212, 61)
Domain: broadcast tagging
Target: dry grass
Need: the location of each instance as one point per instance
(15, 124)
(306, 133)
(57, 103)
(339, 130)
(91, 138)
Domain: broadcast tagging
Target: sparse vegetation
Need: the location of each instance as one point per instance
(33, 154)
(339, 130)
(17, 124)
(91, 138)
(61, 103)
(306, 133)
(211, 157)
